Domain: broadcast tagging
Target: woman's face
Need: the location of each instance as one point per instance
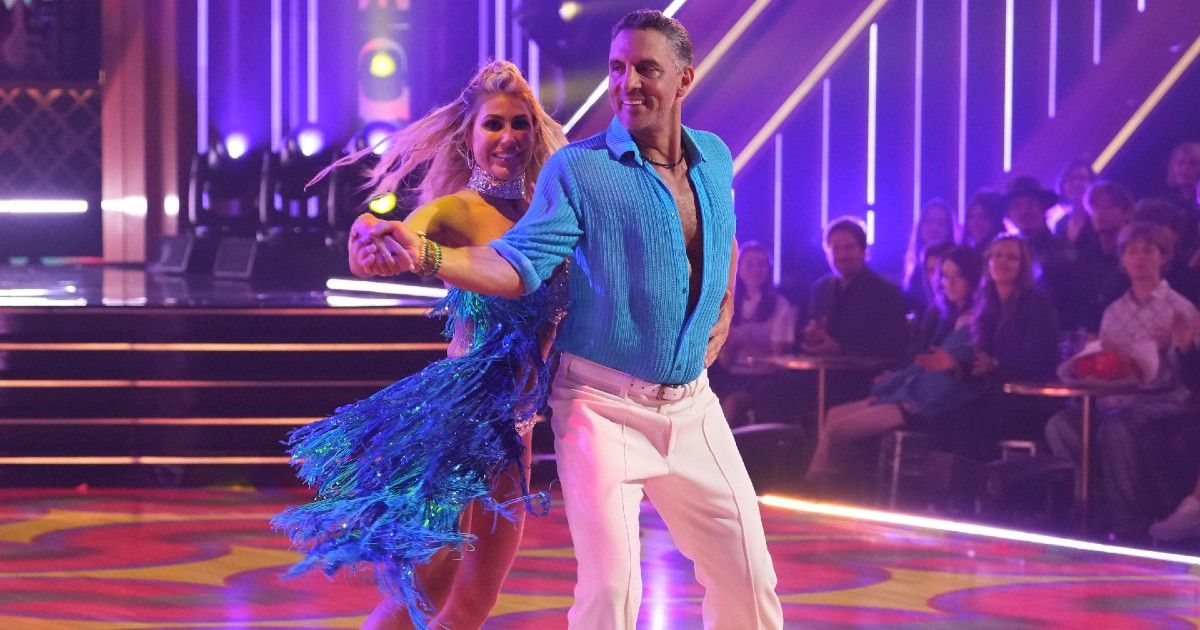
(1183, 170)
(753, 268)
(979, 225)
(935, 226)
(1143, 261)
(502, 137)
(1004, 262)
(954, 284)
(1075, 183)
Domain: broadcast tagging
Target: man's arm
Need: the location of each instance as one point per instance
(720, 330)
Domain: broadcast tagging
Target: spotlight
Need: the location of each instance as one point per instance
(236, 145)
(310, 140)
(383, 90)
(383, 64)
(374, 134)
(383, 204)
(569, 10)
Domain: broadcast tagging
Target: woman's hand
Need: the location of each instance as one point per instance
(936, 360)
(373, 250)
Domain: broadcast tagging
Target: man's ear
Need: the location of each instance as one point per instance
(689, 75)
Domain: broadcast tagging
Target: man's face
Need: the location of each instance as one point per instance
(1027, 214)
(645, 82)
(1109, 215)
(846, 256)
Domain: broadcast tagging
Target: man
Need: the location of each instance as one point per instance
(853, 310)
(644, 210)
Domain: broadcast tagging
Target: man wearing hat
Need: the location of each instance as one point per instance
(1025, 205)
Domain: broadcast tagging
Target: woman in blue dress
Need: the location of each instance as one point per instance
(427, 480)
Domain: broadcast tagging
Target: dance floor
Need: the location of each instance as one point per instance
(205, 558)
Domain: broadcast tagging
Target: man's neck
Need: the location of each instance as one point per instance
(1141, 289)
(661, 145)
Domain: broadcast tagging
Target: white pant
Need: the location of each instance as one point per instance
(614, 443)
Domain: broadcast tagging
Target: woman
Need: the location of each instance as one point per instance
(764, 323)
(984, 220)
(406, 477)
(1068, 219)
(933, 384)
(934, 226)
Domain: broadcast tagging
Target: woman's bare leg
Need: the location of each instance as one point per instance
(482, 570)
(435, 578)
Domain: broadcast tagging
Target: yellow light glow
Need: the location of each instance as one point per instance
(728, 40)
(835, 52)
(569, 10)
(383, 204)
(1146, 107)
(383, 65)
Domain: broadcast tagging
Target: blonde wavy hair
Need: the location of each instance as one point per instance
(442, 138)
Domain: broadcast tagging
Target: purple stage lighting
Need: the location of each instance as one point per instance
(310, 141)
(374, 135)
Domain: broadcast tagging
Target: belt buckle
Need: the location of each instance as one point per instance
(670, 393)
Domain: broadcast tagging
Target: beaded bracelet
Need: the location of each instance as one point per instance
(431, 257)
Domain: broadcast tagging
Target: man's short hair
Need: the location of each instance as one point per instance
(1162, 212)
(849, 225)
(1113, 190)
(650, 19)
(1154, 234)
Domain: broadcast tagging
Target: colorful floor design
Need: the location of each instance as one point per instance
(140, 559)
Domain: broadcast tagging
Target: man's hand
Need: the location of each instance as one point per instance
(716, 340)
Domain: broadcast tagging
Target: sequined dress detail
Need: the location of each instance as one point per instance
(394, 471)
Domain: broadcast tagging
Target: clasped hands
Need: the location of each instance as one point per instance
(381, 248)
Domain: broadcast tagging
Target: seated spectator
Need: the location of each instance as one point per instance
(1183, 188)
(853, 310)
(1026, 203)
(925, 320)
(984, 220)
(935, 382)
(1093, 275)
(764, 324)
(1014, 330)
(1067, 219)
(1150, 312)
(1182, 276)
(934, 228)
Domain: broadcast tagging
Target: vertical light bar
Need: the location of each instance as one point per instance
(518, 51)
(202, 76)
(1008, 83)
(962, 112)
(293, 64)
(276, 73)
(918, 104)
(872, 104)
(870, 227)
(1141, 6)
(312, 110)
(825, 98)
(501, 30)
(1052, 71)
(1096, 32)
(483, 32)
(777, 242)
(534, 56)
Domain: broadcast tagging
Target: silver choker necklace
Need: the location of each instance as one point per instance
(485, 184)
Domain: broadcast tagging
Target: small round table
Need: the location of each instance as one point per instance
(821, 363)
(1086, 394)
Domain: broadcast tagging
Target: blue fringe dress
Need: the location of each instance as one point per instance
(394, 472)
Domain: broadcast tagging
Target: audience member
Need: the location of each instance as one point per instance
(1014, 330)
(1093, 275)
(1068, 219)
(1183, 188)
(984, 220)
(1149, 313)
(852, 309)
(936, 382)
(764, 324)
(934, 227)
(1182, 276)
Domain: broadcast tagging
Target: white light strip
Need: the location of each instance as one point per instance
(962, 113)
(389, 288)
(276, 73)
(202, 76)
(872, 105)
(293, 63)
(870, 227)
(43, 206)
(1052, 89)
(1008, 84)
(24, 292)
(729, 39)
(825, 98)
(534, 58)
(39, 301)
(1096, 32)
(777, 220)
(925, 522)
(313, 60)
(346, 301)
(171, 205)
(501, 31)
(483, 32)
(1141, 6)
(670, 11)
(918, 105)
(135, 206)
